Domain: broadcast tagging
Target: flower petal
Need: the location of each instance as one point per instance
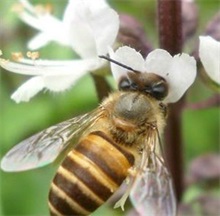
(62, 83)
(88, 25)
(209, 53)
(28, 6)
(105, 34)
(52, 75)
(38, 41)
(29, 89)
(158, 61)
(180, 76)
(36, 19)
(46, 67)
(47, 24)
(179, 71)
(127, 56)
(54, 83)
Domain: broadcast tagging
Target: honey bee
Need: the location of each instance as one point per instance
(115, 143)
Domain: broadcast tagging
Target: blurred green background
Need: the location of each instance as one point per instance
(26, 193)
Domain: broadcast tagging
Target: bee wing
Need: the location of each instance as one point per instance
(45, 146)
(152, 192)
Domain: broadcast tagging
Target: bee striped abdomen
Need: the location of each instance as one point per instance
(89, 175)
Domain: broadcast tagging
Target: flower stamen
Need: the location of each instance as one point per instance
(17, 8)
(33, 55)
(3, 61)
(44, 9)
(17, 56)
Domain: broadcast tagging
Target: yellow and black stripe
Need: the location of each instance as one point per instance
(89, 175)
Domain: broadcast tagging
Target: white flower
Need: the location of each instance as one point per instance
(209, 53)
(179, 71)
(89, 27)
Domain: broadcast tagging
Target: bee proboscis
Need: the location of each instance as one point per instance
(118, 141)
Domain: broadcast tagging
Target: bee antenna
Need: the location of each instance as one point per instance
(118, 63)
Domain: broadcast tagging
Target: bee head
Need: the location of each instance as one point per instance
(146, 83)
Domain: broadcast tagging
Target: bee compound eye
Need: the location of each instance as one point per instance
(159, 90)
(124, 84)
(127, 84)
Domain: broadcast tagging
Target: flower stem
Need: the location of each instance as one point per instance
(102, 86)
(170, 25)
(170, 37)
(213, 101)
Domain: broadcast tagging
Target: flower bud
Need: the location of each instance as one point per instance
(131, 33)
(205, 168)
(213, 27)
(189, 18)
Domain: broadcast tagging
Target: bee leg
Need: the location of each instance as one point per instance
(132, 173)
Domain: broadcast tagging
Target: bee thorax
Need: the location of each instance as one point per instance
(131, 107)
